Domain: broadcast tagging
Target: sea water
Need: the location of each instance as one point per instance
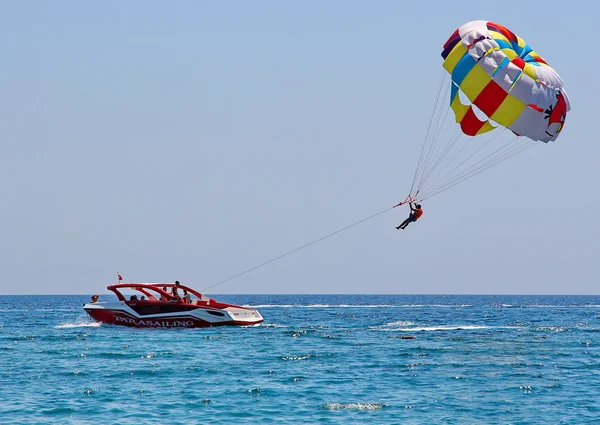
(316, 359)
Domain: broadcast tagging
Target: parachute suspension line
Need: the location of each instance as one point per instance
(446, 151)
(441, 179)
(448, 128)
(495, 157)
(441, 125)
(434, 153)
(453, 140)
(489, 164)
(448, 156)
(434, 142)
(483, 168)
(298, 249)
(431, 120)
(449, 179)
(469, 171)
(453, 137)
(435, 171)
(436, 105)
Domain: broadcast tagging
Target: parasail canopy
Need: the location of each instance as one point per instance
(504, 97)
(506, 79)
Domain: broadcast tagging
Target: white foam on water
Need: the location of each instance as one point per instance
(444, 328)
(357, 406)
(397, 324)
(78, 325)
(563, 306)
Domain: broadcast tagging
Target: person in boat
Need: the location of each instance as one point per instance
(187, 298)
(175, 293)
(415, 213)
(95, 298)
(163, 297)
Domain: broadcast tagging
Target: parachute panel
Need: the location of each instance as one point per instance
(475, 82)
(508, 111)
(457, 53)
(470, 124)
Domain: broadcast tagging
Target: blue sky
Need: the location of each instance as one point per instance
(194, 140)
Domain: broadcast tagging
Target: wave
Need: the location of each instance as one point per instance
(357, 406)
(553, 329)
(78, 325)
(31, 310)
(296, 358)
(546, 306)
(442, 328)
(396, 324)
(562, 306)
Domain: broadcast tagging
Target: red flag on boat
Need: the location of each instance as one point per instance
(120, 278)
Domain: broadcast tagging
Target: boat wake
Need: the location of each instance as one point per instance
(402, 327)
(78, 325)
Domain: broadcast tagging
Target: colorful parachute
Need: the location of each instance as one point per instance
(503, 95)
(509, 82)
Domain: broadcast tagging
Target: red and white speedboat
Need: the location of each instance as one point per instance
(167, 305)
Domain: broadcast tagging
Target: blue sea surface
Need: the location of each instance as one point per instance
(317, 359)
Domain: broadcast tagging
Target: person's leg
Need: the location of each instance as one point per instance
(404, 224)
(409, 220)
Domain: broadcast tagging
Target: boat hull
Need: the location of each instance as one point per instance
(124, 315)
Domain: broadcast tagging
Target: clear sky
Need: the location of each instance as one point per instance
(193, 140)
